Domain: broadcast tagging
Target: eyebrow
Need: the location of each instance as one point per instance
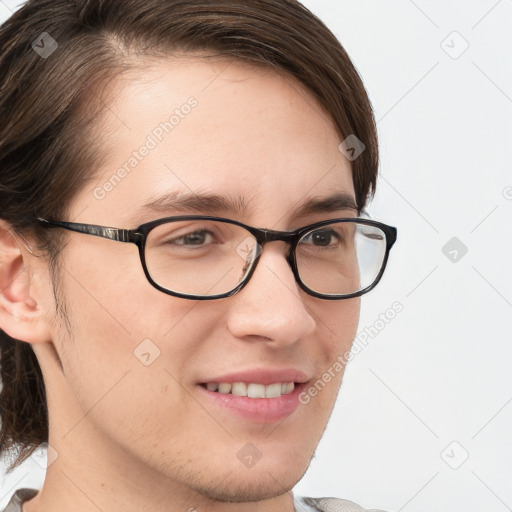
(213, 204)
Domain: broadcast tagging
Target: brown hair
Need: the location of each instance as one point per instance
(48, 108)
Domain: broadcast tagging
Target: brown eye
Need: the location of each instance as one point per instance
(321, 238)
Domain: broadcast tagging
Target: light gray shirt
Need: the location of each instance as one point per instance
(301, 503)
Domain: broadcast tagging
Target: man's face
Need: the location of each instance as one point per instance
(144, 408)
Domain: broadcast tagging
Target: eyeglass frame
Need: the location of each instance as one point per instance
(138, 236)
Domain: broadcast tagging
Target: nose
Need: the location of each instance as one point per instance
(271, 305)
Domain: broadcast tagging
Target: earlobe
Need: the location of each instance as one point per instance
(20, 315)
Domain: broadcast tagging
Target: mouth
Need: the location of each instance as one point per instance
(253, 402)
(251, 389)
(258, 394)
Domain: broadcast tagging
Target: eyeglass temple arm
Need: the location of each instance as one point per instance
(116, 234)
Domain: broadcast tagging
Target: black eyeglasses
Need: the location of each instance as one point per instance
(203, 257)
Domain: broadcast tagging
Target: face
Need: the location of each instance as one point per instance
(136, 361)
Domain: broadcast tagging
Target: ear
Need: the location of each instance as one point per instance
(21, 316)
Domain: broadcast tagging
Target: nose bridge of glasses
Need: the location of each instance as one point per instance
(263, 236)
(269, 235)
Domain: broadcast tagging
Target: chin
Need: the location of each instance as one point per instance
(259, 487)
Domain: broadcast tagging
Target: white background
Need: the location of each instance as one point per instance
(424, 418)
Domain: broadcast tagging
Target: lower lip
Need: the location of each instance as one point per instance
(258, 410)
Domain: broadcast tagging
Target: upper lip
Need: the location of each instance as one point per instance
(264, 376)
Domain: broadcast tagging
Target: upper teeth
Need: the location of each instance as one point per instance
(252, 390)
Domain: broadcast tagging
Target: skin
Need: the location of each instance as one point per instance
(131, 437)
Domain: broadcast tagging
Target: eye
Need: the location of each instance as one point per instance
(321, 238)
(195, 238)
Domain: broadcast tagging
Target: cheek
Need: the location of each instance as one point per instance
(121, 326)
(126, 384)
(337, 321)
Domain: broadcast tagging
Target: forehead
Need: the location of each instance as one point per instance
(213, 126)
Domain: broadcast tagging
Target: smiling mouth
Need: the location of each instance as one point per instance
(251, 389)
